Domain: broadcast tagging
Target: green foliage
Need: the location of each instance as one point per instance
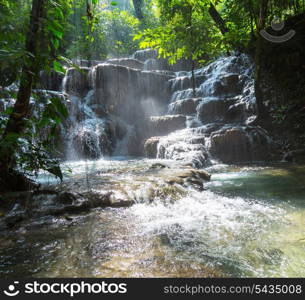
(32, 149)
(109, 33)
(12, 42)
(244, 17)
(97, 29)
(186, 31)
(280, 113)
(119, 26)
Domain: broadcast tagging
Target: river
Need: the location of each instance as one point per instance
(248, 222)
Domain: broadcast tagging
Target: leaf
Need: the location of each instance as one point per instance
(60, 107)
(58, 67)
(58, 34)
(56, 170)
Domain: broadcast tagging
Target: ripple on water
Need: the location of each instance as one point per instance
(249, 223)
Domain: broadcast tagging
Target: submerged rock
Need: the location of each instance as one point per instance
(190, 177)
(27, 205)
(158, 166)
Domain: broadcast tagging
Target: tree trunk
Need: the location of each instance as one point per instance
(221, 24)
(16, 123)
(137, 4)
(261, 109)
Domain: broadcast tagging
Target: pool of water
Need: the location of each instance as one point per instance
(249, 222)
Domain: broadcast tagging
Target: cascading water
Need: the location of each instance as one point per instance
(250, 221)
(219, 118)
(120, 105)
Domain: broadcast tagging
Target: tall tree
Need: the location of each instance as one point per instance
(16, 122)
(261, 24)
(186, 32)
(138, 6)
(218, 19)
(41, 43)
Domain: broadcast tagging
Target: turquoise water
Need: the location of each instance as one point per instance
(249, 222)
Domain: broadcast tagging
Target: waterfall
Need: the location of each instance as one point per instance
(218, 120)
(109, 105)
(138, 105)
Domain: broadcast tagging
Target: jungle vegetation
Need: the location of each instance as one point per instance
(45, 35)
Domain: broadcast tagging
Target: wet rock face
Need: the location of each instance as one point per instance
(123, 90)
(214, 109)
(51, 81)
(151, 147)
(240, 144)
(126, 62)
(151, 62)
(217, 117)
(94, 140)
(186, 146)
(87, 63)
(230, 84)
(76, 81)
(156, 64)
(143, 55)
(184, 107)
(218, 121)
(84, 143)
(295, 156)
(164, 125)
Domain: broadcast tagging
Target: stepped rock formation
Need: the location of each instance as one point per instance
(217, 120)
(117, 107)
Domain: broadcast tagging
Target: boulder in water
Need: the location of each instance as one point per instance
(26, 205)
(186, 146)
(233, 144)
(85, 144)
(190, 177)
(151, 147)
(157, 166)
(94, 139)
